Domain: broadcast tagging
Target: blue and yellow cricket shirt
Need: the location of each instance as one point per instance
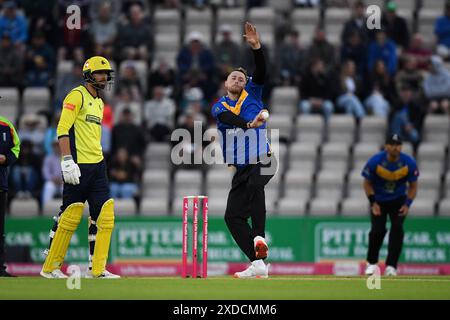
(389, 179)
(242, 147)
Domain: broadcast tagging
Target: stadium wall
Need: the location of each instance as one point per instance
(298, 245)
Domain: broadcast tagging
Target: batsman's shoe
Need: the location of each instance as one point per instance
(104, 275)
(370, 269)
(261, 248)
(390, 271)
(55, 274)
(258, 269)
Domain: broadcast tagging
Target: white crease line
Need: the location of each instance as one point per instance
(362, 278)
(359, 279)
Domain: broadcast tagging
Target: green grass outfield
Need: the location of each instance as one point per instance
(228, 288)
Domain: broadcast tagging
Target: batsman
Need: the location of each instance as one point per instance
(84, 172)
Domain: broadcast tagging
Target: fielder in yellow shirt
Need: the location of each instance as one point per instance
(84, 171)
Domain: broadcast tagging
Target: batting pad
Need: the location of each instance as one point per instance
(68, 223)
(105, 226)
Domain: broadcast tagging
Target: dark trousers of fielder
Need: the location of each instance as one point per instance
(246, 199)
(378, 231)
(3, 196)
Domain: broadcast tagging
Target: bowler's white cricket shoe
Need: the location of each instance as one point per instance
(370, 269)
(390, 271)
(258, 269)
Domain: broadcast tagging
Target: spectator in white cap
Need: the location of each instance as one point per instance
(193, 97)
(226, 51)
(159, 114)
(437, 87)
(194, 36)
(196, 65)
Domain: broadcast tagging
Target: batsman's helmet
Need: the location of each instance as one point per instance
(97, 64)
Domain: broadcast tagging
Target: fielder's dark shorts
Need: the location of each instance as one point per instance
(93, 188)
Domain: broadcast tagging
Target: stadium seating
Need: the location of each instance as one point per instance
(218, 182)
(154, 206)
(284, 100)
(330, 184)
(435, 4)
(264, 18)
(64, 67)
(167, 21)
(156, 183)
(436, 128)
(354, 185)
(362, 152)
(233, 17)
(444, 207)
(447, 185)
(280, 5)
(10, 95)
(310, 128)
(303, 156)
(373, 129)
(292, 207)
(298, 184)
(24, 208)
(36, 99)
(423, 207)
(200, 21)
(427, 18)
(408, 148)
(217, 205)
(283, 123)
(341, 128)
(52, 207)
(187, 183)
(355, 207)
(158, 156)
(280, 151)
(335, 156)
(9, 103)
(323, 207)
(272, 189)
(334, 23)
(167, 36)
(431, 156)
(124, 207)
(430, 186)
(305, 22)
